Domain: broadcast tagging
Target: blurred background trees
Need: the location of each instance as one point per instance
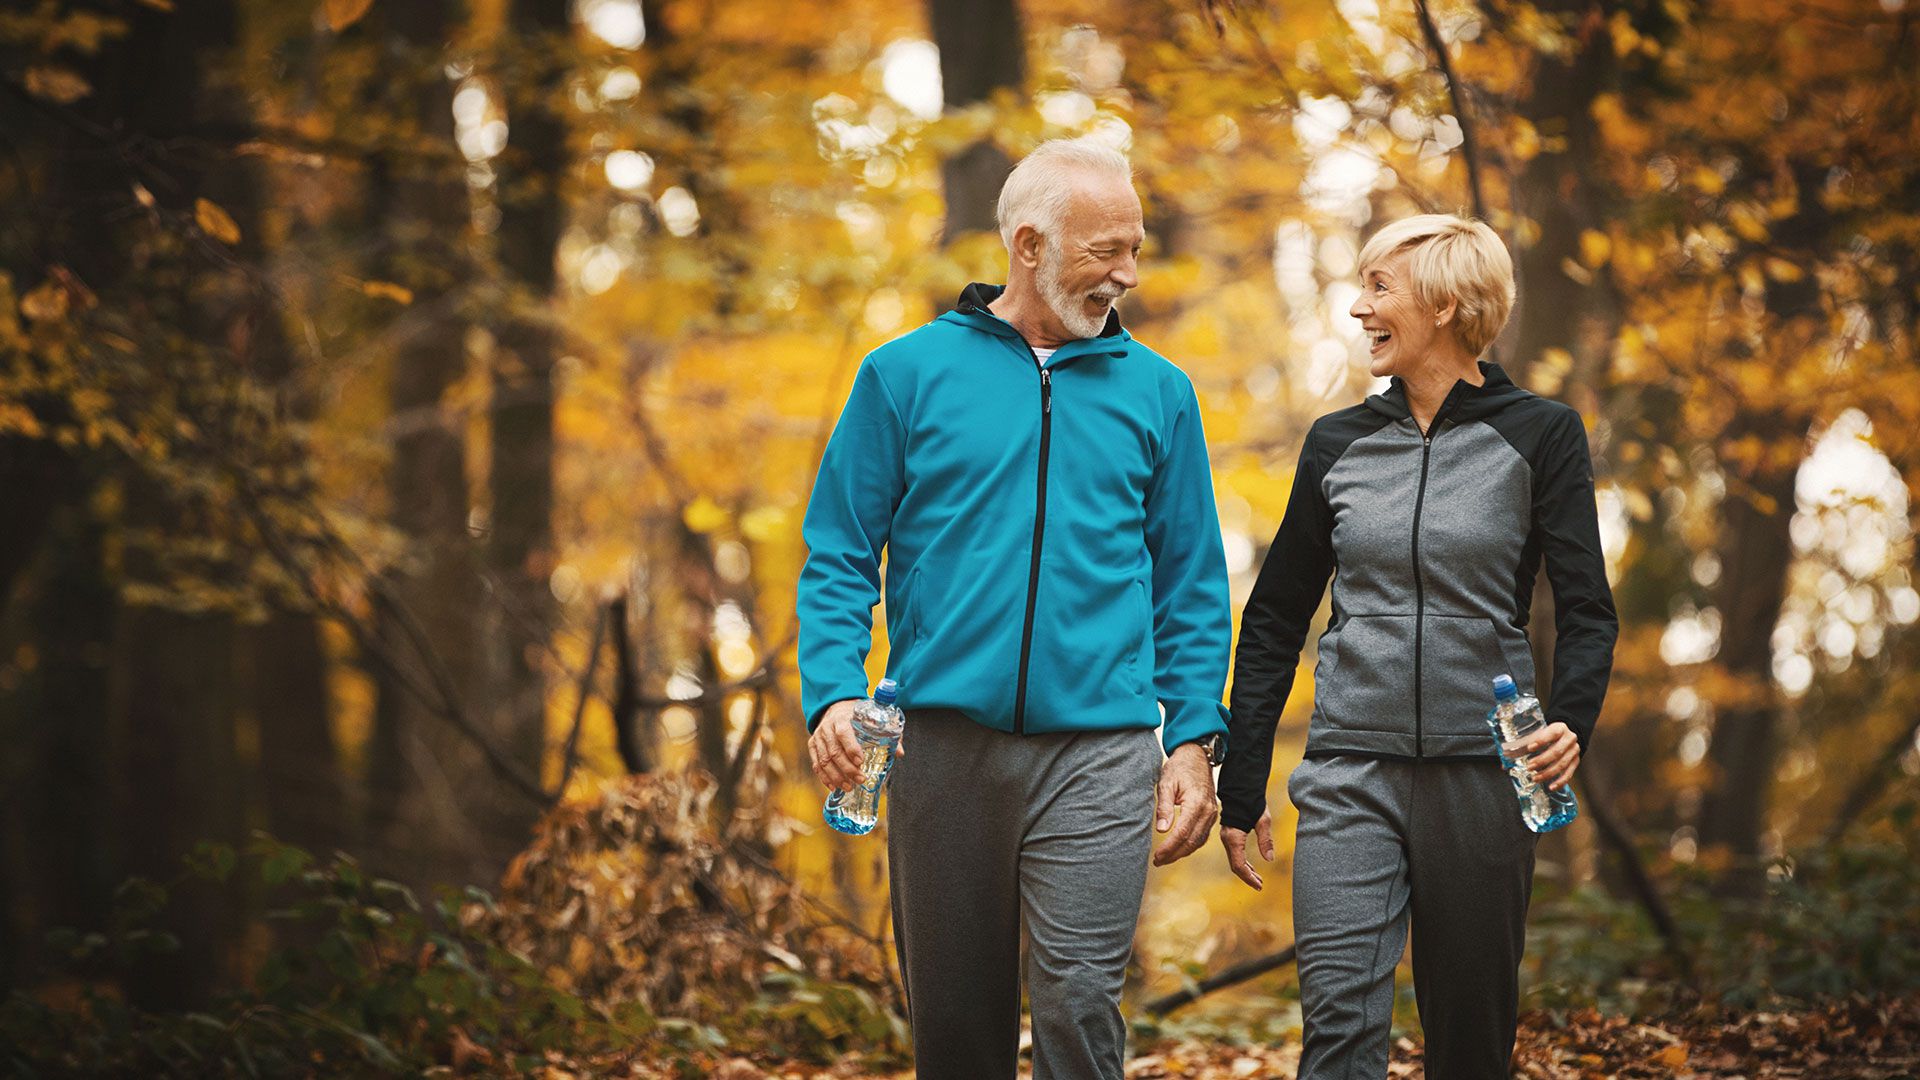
(407, 409)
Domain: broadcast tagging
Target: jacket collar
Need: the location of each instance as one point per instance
(1464, 402)
(972, 311)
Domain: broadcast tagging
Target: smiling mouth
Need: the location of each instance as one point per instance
(1380, 338)
(1103, 299)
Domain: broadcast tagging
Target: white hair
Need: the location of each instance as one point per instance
(1037, 192)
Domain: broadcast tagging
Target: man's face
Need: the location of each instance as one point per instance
(1091, 263)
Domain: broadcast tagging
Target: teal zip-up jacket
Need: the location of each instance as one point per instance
(1053, 551)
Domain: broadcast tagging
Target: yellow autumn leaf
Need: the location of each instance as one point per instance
(1707, 180)
(90, 403)
(45, 303)
(1673, 1056)
(1625, 37)
(17, 419)
(1619, 128)
(344, 13)
(62, 86)
(1525, 139)
(387, 290)
(215, 222)
(1641, 258)
(764, 523)
(1746, 220)
(1781, 270)
(1594, 247)
(1639, 506)
(703, 515)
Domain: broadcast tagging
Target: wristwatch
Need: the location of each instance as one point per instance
(1215, 746)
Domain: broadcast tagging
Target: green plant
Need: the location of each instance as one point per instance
(1833, 922)
(369, 983)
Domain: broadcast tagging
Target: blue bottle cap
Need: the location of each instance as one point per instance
(1503, 688)
(884, 695)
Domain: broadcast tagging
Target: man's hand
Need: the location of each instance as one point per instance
(1235, 841)
(1185, 794)
(835, 750)
(1552, 754)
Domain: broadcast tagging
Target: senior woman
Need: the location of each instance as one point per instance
(1432, 506)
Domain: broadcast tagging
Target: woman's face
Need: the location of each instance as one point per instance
(1401, 333)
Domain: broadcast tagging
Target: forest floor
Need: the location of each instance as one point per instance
(1855, 1040)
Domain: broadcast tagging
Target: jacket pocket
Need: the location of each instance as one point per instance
(1326, 656)
(902, 625)
(1140, 660)
(1370, 686)
(1459, 657)
(1517, 650)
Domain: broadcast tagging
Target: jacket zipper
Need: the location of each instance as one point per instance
(1419, 580)
(1039, 531)
(1039, 523)
(1419, 585)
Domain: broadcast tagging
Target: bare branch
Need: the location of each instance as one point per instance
(833, 915)
(1469, 149)
(1871, 784)
(737, 768)
(580, 700)
(763, 673)
(1233, 976)
(441, 698)
(1600, 811)
(626, 697)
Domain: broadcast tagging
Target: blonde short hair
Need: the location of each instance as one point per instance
(1039, 189)
(1452, 258)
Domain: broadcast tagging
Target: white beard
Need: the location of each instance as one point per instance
(1065, 306)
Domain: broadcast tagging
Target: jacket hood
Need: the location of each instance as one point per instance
(971, 310)
(1464, 402)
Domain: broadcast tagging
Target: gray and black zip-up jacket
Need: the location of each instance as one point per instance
(1433, 543)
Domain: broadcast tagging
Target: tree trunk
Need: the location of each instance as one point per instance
(173, 701)
(283, 690)
(1756, 551)
(1755, 554)
(58, 854)
(58, 604)
(424, 776)
(300, 775)
(521, 553)
(1558, 313)
(171, 687)
(1565, 309)
(982, 49)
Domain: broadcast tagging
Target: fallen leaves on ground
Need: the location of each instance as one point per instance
(630, 895)
(1854, 1040)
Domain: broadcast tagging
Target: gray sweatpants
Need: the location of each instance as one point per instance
(986, 830)
(1380, 841)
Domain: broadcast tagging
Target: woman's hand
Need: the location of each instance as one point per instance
(1553, 753)
(1235, 841)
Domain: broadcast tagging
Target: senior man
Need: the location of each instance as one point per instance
(1055, 583)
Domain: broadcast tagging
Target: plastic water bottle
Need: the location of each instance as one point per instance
(877, 723)
(1513, 718)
